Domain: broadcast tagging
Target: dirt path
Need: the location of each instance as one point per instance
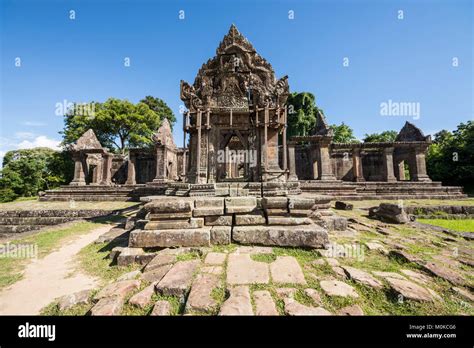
(49, 278)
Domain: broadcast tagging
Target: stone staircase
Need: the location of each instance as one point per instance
(273, 221)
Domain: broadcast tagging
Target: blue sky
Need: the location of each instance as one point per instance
(403, 60)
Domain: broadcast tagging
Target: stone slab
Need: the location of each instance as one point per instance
(178, 279)
(292, 307)
(238, 303)
(158, 261)
(410, 290)
(338, 288)
(296, 236)
(241, 269)
(215, 258)
(264, 304)
(298, 203)
(224, 220)
(240, 204)
(161, 308)
(197, 212)
(209, 202)
(286, 270)
(250, 219)
(362, 277)
(200, 299)
(170, 238)
(170, 216)
(175, 224)
(169, 205)
(143, 298)
(118, 289)
(288, 221)
(108, 306)
(156, 274)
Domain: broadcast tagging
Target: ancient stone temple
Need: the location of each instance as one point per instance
(236, 145)
(236, 117)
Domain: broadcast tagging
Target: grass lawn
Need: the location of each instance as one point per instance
(416, 202)
(46, 241)
(464, 225)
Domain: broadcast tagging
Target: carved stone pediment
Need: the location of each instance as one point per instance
(235, 78)
(164, 135)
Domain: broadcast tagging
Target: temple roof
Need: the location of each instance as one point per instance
(410, 132)
(235, 78)
(87, 141)
(164, 135)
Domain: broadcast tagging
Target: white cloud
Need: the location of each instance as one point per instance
(40, 141)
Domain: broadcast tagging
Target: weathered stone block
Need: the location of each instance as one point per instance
(250, 219)
(118, 289)
(288, 221)
(209, 202)
(175, 224)
(178, 279)
(343, 206)
(197, 212)
(276, 212)
(170, 238)
(298, 236)
(170, 216)
(221, 235)
(300, 212)
(275, 202)
(389, 213)
(169, 206)
(240, 204)
(300, 203)
(224, 220)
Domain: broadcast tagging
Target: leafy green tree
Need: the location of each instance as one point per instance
(384, 137)
(302, 111)
(25, 172)
(343, 134)
(160, 107)
(450, 158)
(118, 124)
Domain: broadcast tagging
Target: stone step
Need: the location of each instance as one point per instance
(170, 238)
(19, 228)
(34, 220)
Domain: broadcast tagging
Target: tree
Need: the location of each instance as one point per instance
(302, 112)
(450, 158)
(343, 134)
(384, 137)
(118, 124)
(25, 172)
(160, 107)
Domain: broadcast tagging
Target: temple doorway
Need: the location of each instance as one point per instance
(232, 158)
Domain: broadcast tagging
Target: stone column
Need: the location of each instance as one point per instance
(326, 168)
(420, 173)
(198, 147)
(357, 165)
(285, 159)
(388, 164)
(107, 167)
(184, 164)
(401, 170)
(160, 163)
(79, 169)
(265, 139)
(131, 180)
(292, 162)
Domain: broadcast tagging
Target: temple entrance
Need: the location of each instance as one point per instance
(232, 158)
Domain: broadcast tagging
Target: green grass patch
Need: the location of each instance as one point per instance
(461, 225)
(93, 260)
(188, 256)
(268, 258)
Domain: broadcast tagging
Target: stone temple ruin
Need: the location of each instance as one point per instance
(235, 132)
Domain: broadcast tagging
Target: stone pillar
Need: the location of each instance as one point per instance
(292, 162)
(401, 170)
(285, 159)
(107, 167)
(79, 170)
(389, 175)
(184, 164)
(357, 165)
(160, 163)
(265, 139)
(131, 180)
(198, 147)
(326, 168)
(420, 173)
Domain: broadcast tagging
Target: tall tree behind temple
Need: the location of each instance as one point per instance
(301, 113)
(384, 137)
(160, 107)
(118, 124)
(343, 134)
(451, 157)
